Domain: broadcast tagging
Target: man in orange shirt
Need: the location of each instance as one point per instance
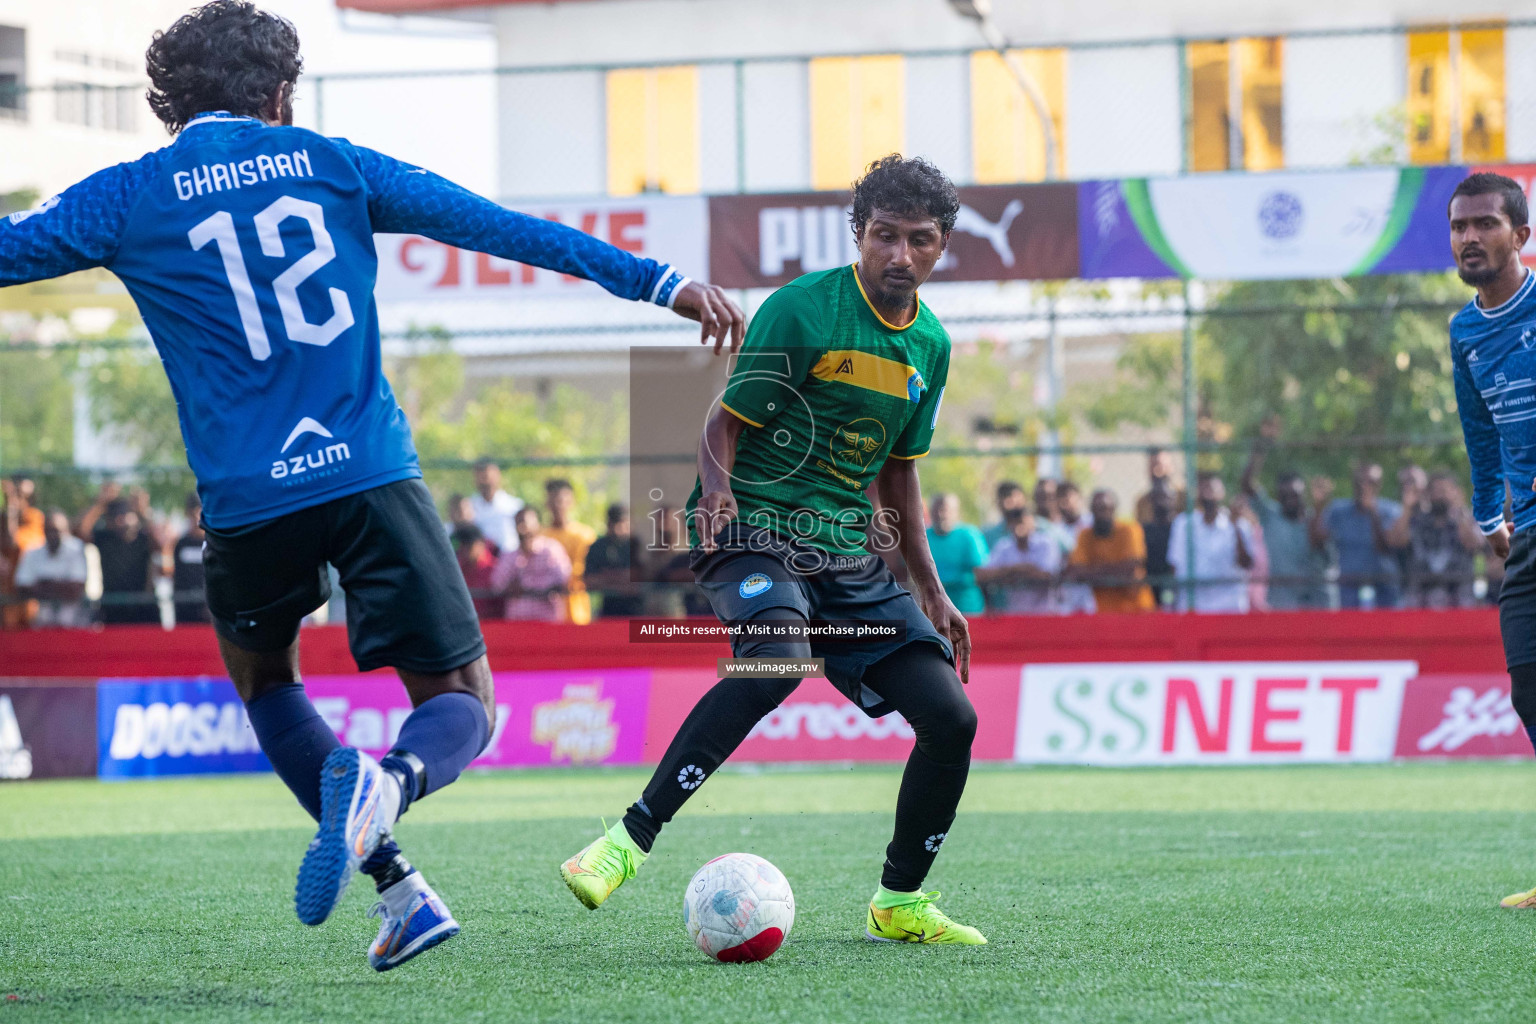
(20, 532)
(1112, 557)
(576, 538)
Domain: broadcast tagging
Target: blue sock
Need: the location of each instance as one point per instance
(440, 738)
(296, 740)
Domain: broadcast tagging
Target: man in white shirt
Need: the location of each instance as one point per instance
(1222, 552)
(1025, 566)
(54, 576)
(495, 509)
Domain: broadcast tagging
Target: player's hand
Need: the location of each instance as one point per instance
(717, 315)
(714, 510)
(1498, 540)
(946, 618)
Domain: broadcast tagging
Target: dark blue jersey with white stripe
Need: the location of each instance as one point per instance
(249, 251)
(1493, 363)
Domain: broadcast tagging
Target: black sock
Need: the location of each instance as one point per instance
(922, 685)
(925, 809)
(390, 872)
(711, 732)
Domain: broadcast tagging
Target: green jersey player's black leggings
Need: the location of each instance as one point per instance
(917, 680)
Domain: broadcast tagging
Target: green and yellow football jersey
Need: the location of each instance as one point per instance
(828, 390)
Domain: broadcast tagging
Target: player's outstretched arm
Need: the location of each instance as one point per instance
(407, 199)
(77, 229)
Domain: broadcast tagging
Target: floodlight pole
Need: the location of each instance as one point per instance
(980, 12)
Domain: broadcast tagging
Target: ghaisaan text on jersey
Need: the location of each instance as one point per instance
(210, 178)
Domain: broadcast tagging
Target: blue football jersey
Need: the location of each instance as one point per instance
(249, 251)
(1493, 363)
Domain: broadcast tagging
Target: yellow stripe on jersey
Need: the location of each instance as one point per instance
(874, 373)
(733, 412)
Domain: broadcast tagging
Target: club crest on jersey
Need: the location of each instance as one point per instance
(857, 442)
(1528, 337)
(756, 584)
(915, 387)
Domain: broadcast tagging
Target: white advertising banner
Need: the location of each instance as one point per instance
(1210, 712)
(1244, 226)
(668, 229)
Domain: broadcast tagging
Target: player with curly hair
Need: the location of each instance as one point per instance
(837, 388)
(247, 244)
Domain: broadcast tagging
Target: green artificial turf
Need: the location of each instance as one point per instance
(1353, 894)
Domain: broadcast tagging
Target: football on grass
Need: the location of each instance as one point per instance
(738, 908)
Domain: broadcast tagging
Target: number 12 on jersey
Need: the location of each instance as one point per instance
(220, 229)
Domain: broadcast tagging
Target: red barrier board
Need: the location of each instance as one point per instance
(1460, 715)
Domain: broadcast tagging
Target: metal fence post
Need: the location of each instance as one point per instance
(1191, 468)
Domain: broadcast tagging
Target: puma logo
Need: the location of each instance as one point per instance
(995, 234)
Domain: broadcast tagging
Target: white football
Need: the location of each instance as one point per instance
(738, 908)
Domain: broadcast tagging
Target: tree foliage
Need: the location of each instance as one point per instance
(1354, 368)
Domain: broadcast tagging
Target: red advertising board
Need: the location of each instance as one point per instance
(1460, 715)
(817, 723)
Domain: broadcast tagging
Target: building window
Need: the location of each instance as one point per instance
(1210, 95)
(13, 72)
(1007, 138)
(1260, 79)
(858, 114)
(107, 107)
(1480, 88)
(1456, 100)
(653, 130)
(1246, 76)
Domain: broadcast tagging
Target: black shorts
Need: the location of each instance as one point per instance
(407, 604)
(821, 587)
(1517, 601)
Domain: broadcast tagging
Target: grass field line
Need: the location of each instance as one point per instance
(69, 808)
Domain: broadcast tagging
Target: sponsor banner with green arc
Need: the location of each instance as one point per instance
(1268, 226)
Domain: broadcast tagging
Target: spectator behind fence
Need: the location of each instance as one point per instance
(493, 507)
(575, 538)
(122, 531)
(1159, 484)
(187, 577)
(54, 575)
(1222, 549)
(1111, 557)
(958, 550)
(1369, 573)
(1022, 569)
(1155, 531)
(1440, 539)
(1069, 505)
(534, 576)
(22, 532)
(1010, 495)
(1297, 568)
(1048, 515)
(477, 561)
(607, 569)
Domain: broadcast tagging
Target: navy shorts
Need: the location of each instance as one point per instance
(754, 569)
(407, 604)
(1517, 601)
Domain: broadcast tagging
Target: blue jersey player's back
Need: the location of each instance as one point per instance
(249, 251)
